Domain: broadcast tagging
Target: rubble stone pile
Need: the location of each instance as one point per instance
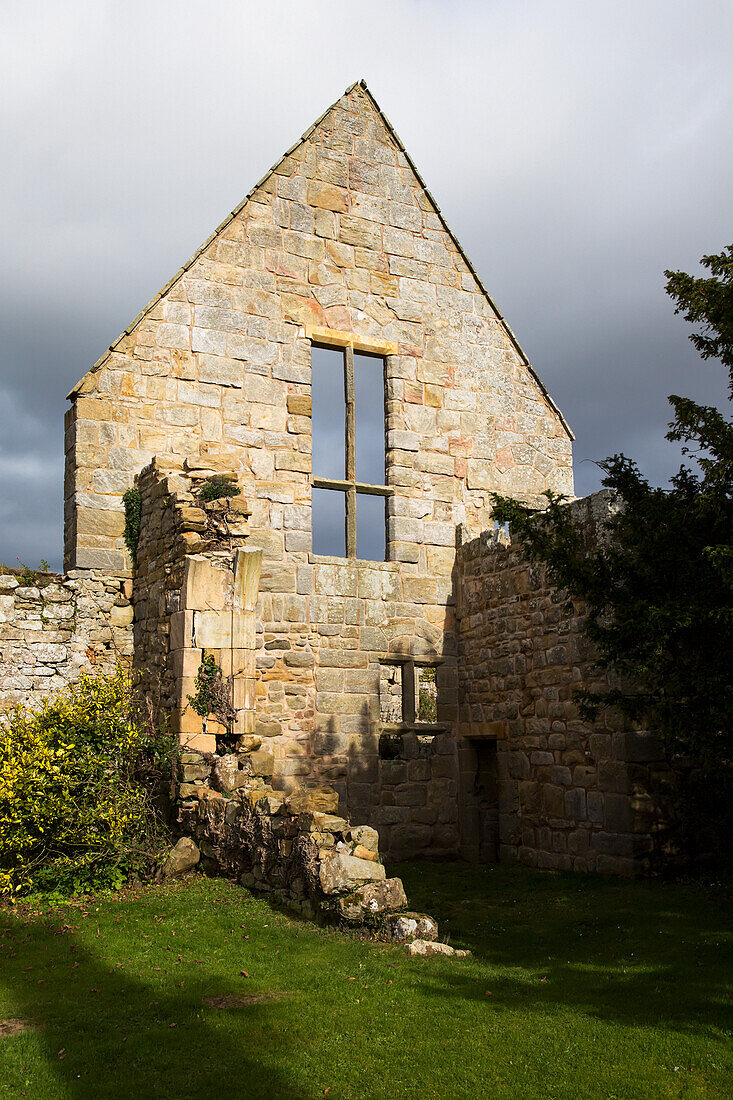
(293, 846)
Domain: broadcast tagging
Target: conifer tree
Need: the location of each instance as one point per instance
(658, 590)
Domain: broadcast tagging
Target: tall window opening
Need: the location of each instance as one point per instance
(349, 491)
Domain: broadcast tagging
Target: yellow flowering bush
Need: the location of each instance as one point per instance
(80, 783)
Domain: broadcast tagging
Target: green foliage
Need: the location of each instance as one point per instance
(709, 303)
(32, 577)
(78, 788)
(659, 589)
(212, 696)
(132, 502)
(214, 488)
(204, 700)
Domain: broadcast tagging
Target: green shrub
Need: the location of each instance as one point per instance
(217, 487)
(80, 780)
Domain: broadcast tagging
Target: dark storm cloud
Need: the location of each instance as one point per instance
(577, 150)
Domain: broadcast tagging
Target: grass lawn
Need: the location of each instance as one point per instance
(579, 987)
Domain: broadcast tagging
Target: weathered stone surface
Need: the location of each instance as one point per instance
(424, 949)
(406, 927)
(189, 790)
(341, 873)
(121, 616)
(365, 836)
(340, 246)
(51, 633)
(182, 857)
(226, 775)
(371, 902)
(563, 787)
(322, 823)
(249, 743)
(190, 773)
(312, 799)
(257, 763)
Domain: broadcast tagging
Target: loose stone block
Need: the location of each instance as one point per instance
(370, 902)
(341, 873)
(182, 857)
(407, 927)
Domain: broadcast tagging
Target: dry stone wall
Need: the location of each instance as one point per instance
(57, 628)
(570, 795)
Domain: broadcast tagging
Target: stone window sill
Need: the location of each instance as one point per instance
(356, 563)
(415, 727)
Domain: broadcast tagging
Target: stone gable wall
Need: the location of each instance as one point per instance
(571, 795)
(52, 633)
(340, 243)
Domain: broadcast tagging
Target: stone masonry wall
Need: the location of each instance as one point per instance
(184, 593)
(339, 243)
(58, 628)
(311, 695)
(572, 795)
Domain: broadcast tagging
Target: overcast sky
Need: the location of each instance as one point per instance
(577, 149)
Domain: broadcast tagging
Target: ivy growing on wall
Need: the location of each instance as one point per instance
(132, 502)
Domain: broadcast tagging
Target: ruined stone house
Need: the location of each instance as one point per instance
(331, 349)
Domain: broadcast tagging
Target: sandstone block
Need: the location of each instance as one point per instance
(121, 616)
(226, 775)
(365, 836)
(426, 949)
(299, 405)
(406, 927)
(322, 823)
(191, 773)
(221, 370)
(204, 742)
(189, 790)
(340, 873)
(326, 196)
(359, 231)
(182, 857)
(257, 763)
(370, 902)
(360, 852)
(249, 743)
(311, 799)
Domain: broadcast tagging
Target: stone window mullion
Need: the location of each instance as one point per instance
(350, 452)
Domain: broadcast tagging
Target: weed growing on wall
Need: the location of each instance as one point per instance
(217, 487)
(80, 780)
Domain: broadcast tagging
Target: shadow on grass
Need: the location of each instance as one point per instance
(103, 1033)
(635, 953)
